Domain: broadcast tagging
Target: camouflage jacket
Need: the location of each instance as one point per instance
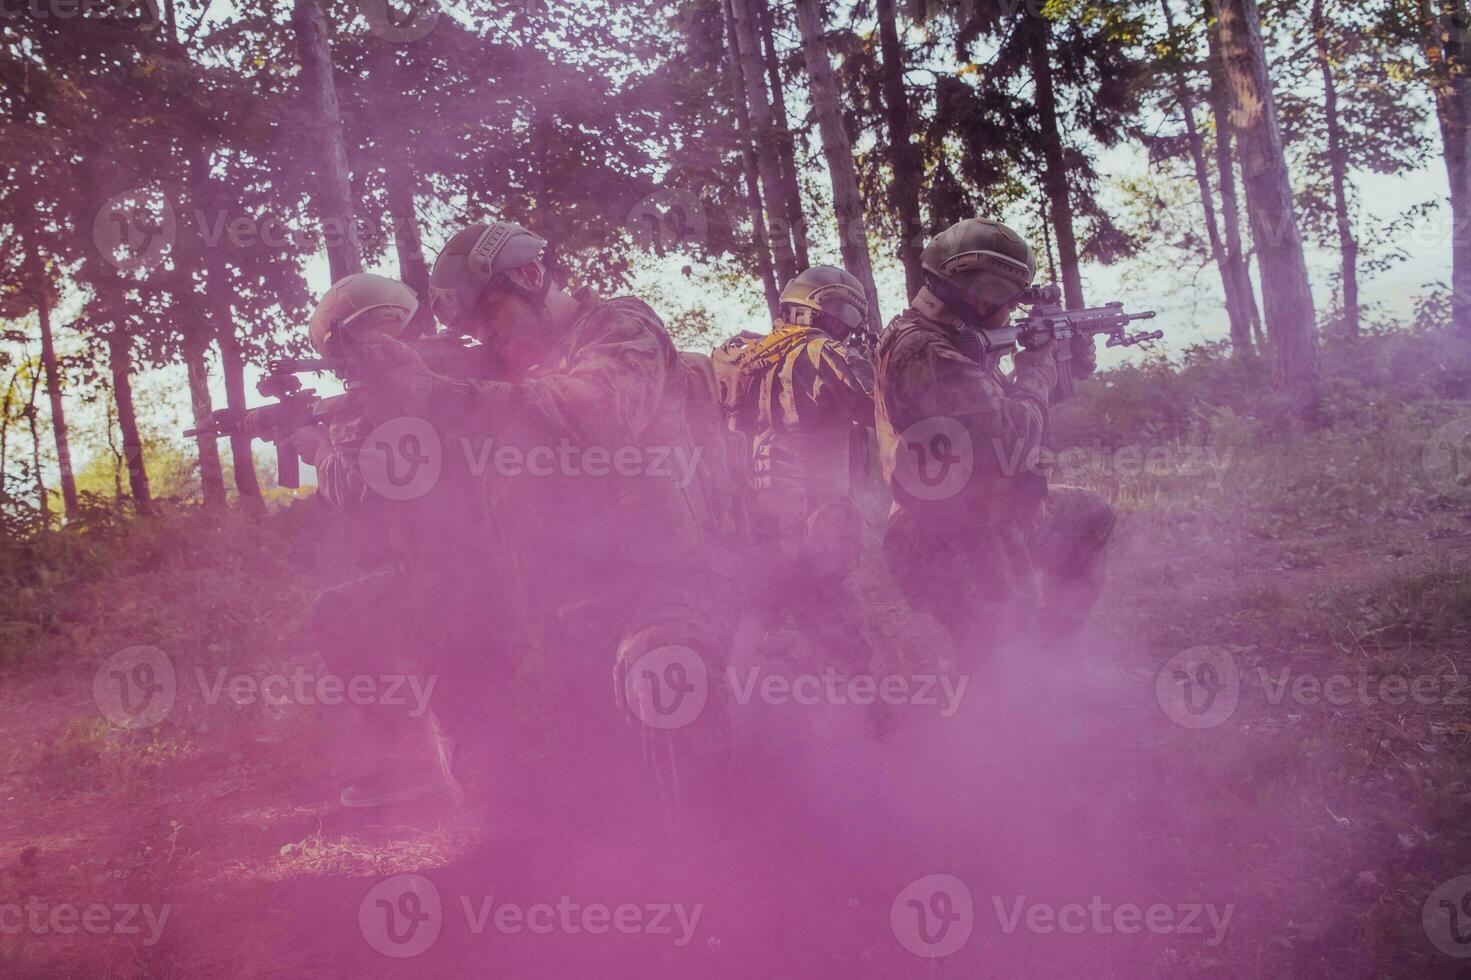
(591, 450)
(956, 436)
(795, 395)
(424, 512)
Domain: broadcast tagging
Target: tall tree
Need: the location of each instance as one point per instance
(904, 158)
(1443, 31)
(764, 134)
(1231, 283)
(334, 183)
(786, 142)
(1054, 163)
(1286, 290)
(837, 150)
(1219, 96)
(1338, 165)
(54, 392)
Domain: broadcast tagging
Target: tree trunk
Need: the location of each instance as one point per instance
(334, 185)
(1286, 291)
(761, 242)
(1047, 239)
(1235, 309)
(1338, 166)
(43, 495)
(837, 150)
(1236, 260)
(1054, 163)
(404, 219)
(120, 362)
(211, 474)
(218, 294)
(903, 157)
(54, 394)
(786, 144)
(1448, 49)
(748, 51)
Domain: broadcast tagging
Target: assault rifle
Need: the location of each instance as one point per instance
(297, 407)
(1047, 319)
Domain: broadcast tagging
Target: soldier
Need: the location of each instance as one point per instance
(588, 430)
(440, 610)
(803, 400)
(977, 538)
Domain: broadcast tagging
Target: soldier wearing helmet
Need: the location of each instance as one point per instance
(976, 537)
(802, 398)
(589, 410)
(440, 609)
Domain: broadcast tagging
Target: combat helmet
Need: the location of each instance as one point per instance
(825, 297)
(477, 256)
(362, 306)
(977, 266)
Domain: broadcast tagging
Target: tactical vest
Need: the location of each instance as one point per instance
(769, 387)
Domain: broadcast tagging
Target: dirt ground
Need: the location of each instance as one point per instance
(1315, 817)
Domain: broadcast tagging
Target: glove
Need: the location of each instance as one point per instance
(1085, 355)
(1036, 359)
(396, 381)
(310, 443)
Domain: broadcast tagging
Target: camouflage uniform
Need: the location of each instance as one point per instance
(614, 560)
(1002, 548)
(447, 605)
(803, 401)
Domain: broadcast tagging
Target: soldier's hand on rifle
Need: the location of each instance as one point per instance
(396, 381)
(1085, 355)
(311, 443)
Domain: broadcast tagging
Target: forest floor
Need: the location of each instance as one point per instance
(1291, 799)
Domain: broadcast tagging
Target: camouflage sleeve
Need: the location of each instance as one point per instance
(928, 377)
(606, 391)
(842, 384)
